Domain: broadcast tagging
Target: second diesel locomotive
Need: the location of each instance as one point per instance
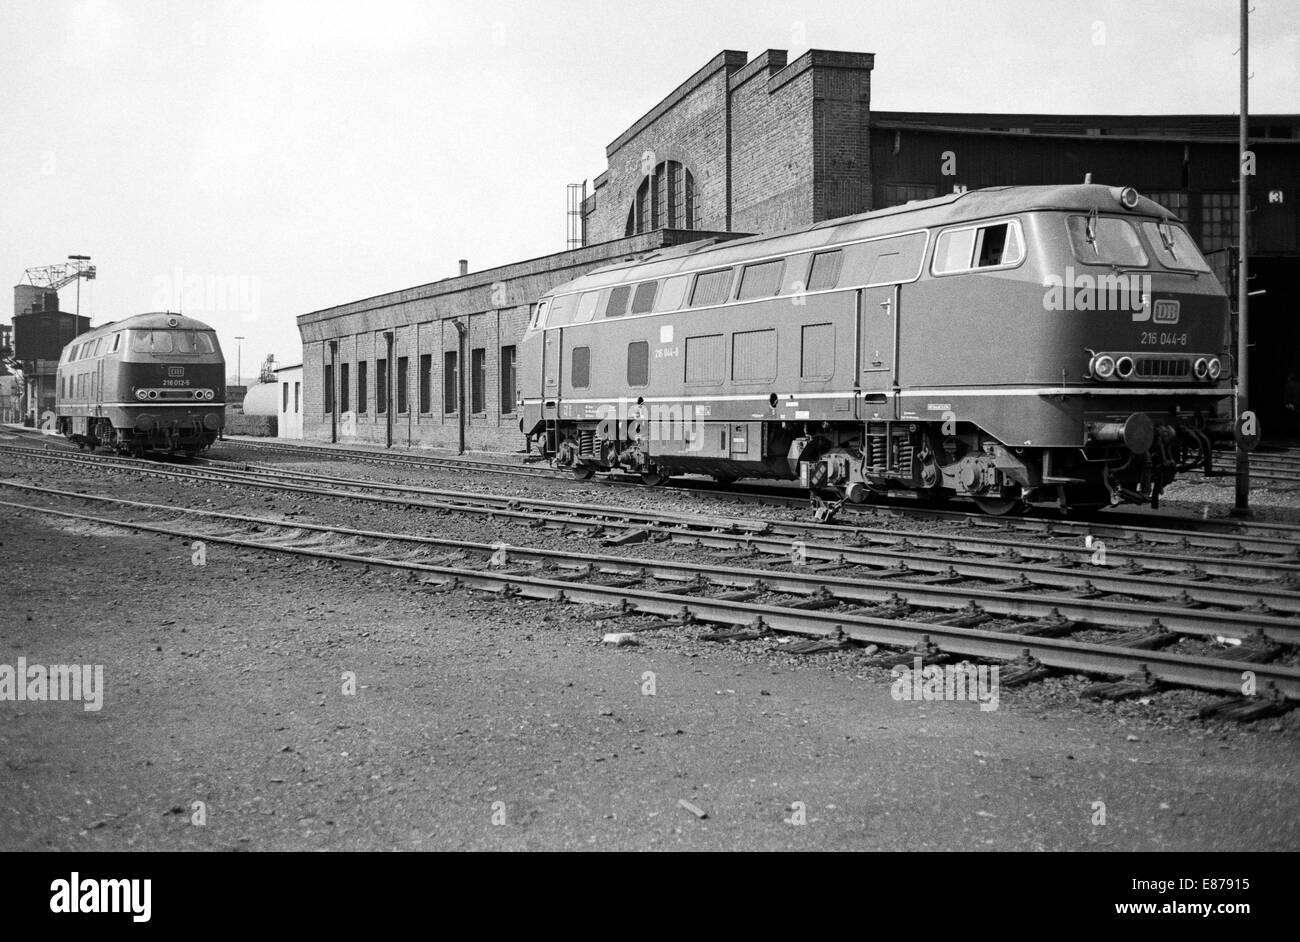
(1054, 346)
(152, 382)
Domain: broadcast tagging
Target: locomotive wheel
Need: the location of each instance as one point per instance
(726, 480)
(653, 478)
(582, 473)
(999, 507)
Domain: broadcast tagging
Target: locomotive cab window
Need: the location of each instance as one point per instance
(1105, 240)
(993, 246)
(1174, 248)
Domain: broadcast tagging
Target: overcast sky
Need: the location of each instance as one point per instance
(287, 156)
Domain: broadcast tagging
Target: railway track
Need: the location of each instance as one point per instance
(1245, 599)
(814, 602)
(1274, 556)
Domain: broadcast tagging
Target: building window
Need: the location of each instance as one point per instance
(509, 380)
(426, 382)
(329, 389)
(1218, 220)
(345, 387)
(896, 194)
(450, 382)
(363, 385)
(297, 398)
(665, 200)
(381, 386)
(1173, 200)
(478, 380)
(284, 405)
(403, 386)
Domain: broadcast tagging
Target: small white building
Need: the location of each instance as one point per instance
(289, 401)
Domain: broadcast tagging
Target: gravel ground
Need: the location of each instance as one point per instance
(224, 685)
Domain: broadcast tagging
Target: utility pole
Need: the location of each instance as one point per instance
(239, 361)
(1241, 506)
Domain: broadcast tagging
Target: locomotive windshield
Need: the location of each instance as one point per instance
(1174, 248)
(171, 341)
(1105, 240)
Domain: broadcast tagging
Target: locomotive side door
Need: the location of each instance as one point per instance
(878, 345)
(551, 354)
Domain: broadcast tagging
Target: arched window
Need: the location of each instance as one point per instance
(665, 200)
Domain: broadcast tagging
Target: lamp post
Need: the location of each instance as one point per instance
(239, 361)
(80, 260)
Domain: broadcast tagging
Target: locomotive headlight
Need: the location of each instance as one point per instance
(1128, 197)
(1215, 367)
(1201, 367)
(1124, 367)
(1103, 366)
(153, 394)
(142, 394)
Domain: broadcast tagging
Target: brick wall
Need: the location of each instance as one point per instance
(772, 144)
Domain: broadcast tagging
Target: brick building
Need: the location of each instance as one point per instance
(756, 146)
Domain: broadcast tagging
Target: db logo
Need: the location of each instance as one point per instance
(1166, 312)
(175, 371)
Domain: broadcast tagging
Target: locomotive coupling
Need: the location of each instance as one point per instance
(1137, 432)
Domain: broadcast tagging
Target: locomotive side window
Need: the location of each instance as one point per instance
(825, 271)
(674, 291)
(580, 368)
(638, 363)
(203, 343)
(587, 307)
(997, 245)
(644, 299)
(1105, 240)
(1174, 247)
(953, 250)
(117, 342)
(761, 280)
(562, 310)
(616, 306)
(711, 287)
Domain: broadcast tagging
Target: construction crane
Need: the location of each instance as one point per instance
(55, 277)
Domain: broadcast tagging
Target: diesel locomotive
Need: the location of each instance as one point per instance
(1060, 346)
(152, 382)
